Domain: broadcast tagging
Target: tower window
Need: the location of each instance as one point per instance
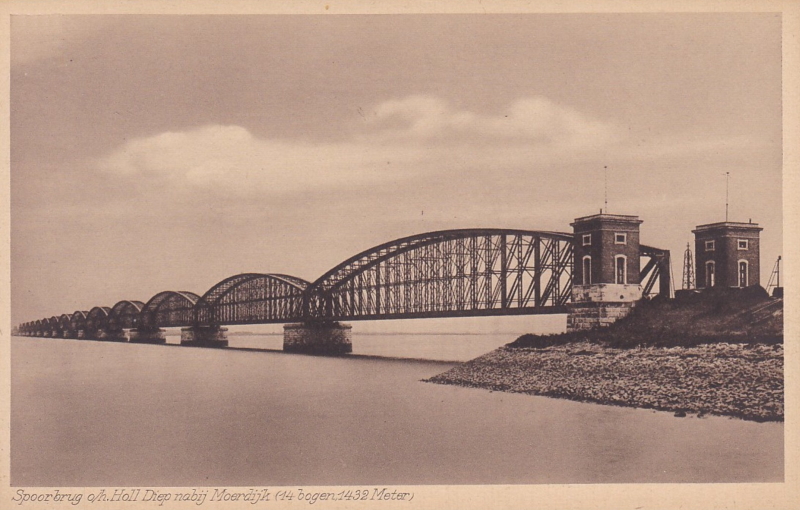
(742, 244)
(709, 245)
(587, 270)
(620, 269)
(743, 273)
(620, 238)
(710, 276)
(587, 239)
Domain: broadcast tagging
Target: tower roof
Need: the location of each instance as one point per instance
(727, 225)
(607, 218)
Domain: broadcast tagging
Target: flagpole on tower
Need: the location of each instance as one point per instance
(605, 181)
(727, 178)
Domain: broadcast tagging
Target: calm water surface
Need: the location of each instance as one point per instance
(91, 413)
(432, 347)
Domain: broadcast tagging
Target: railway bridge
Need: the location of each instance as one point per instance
(594, 274)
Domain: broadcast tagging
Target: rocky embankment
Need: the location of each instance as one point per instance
(741, 380)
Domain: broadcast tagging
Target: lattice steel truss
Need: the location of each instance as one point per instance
(657, 269)
(450, 273)
(97, 320)
(447, 274)
(168, 309)
(252, 298)
(63, 324)
(124, 315)
(77, 321)
(50, 327)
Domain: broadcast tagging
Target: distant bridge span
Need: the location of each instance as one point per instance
(449, 273)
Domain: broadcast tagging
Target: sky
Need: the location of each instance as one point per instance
(153, 153)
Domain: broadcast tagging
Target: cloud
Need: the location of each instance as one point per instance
(418, 136)
(535, 121)
(230, 158)
(417, 140)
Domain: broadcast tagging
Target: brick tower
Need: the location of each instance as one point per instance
(606, 270)
(727, 254)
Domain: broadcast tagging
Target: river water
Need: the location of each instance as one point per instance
(92, 413)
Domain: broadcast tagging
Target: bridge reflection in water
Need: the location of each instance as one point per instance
(451, 273)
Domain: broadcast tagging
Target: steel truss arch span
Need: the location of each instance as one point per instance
(168, 309)
(97, 319)
(124, 315)
(51, 326)
(252, 298)
(63, 322)
(77, 321)
(449, 273)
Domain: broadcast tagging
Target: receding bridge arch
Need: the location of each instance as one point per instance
(97, 320)
(168, 309)
(124, 315)
(252, 298)
(63, 324)
(77, 323)
(449, 273)
(49, 327)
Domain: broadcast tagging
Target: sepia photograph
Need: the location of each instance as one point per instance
(339, 257)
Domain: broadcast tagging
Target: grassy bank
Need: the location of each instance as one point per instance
(719, 315)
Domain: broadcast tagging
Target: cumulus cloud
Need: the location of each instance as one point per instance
(406, 138)
(533, 120)
(230, 158)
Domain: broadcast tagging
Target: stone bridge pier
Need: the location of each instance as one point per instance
(327, 338)
(147, 336)
(204, 336)
(110, 335)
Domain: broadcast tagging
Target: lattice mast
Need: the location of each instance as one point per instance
(775, 276)
(688, 269)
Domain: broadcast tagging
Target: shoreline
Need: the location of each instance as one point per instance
(737, 380)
